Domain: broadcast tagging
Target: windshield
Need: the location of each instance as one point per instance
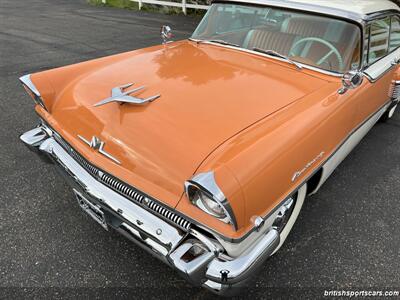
(327, 43)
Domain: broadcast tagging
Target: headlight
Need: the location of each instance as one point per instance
(206, 203)
(203, 191)
(32, 90)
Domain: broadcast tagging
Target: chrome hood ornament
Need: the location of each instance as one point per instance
(97, 144)
(118, 94)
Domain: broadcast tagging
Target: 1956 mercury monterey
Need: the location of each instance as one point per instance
(202, 151)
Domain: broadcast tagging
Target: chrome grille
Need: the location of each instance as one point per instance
(123, 188)
(169, 215)
(83, 162)
(93, 170)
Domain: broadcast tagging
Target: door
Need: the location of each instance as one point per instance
(382, 51)
(382, 41)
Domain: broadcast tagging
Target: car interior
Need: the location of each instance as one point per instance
(322, 42)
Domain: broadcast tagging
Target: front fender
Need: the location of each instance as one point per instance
(275, 156)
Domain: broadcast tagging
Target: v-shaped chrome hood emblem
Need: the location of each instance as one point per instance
(118, 94)
(98, 145)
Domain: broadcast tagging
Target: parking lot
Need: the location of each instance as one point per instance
(347, 236)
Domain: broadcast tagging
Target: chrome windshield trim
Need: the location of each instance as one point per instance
(26, 80)
(303, 66)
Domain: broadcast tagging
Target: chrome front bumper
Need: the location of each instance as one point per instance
(195, 254)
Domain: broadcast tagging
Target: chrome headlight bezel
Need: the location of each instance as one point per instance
(32, 90)
(203, 192)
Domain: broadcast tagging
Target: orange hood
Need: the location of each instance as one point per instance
(208, 94)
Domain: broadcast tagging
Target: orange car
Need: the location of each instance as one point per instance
(202, 151)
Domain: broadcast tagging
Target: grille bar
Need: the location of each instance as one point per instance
(121, 187)
(124, 189)
(83, 162)
(182, 222)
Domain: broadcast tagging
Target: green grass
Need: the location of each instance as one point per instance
(127, 4)
(117, 3)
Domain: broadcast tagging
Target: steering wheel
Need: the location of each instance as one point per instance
(333, 50)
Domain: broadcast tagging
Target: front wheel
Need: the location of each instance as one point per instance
(287, 221)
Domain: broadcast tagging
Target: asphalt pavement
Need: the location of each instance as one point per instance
(346, 237)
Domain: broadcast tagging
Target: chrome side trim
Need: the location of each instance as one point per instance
(382, 66)
(381, 14)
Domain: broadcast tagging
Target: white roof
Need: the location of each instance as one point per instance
(362, 7)
(357, 9)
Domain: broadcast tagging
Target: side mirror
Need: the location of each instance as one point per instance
(166, 34)
(351, 80)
